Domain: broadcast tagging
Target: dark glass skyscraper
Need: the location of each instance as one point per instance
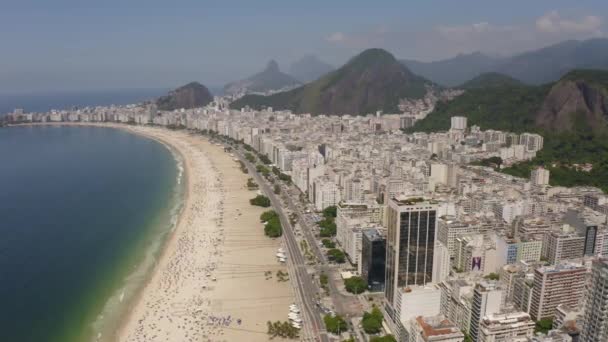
(410, 244)
(373, 259)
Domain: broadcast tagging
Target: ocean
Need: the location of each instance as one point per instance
(84, 212)
(45, 101)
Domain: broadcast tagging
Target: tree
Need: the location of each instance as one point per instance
(328, 227)
(328, 243)
(267, 215)
(250, 157)
(492, 276)
(272, 226)
(336, 255)
(285, 178)
(264, 159)
(355, 285)
(262, 169)
(335, 324)
(543, 325)
(260, 201)
(251, 184)
(331, 211)
(372, 321)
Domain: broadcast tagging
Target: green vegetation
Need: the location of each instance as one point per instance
(260, 201)
(282, 276)
(511, 108)
(323, 280)
(355, 285)
(543, 326)
(335, 324)
(514, 108)
(285, 178)
(250, 157)
(493, 162)
(282, 329)
(327, 243)
(385, 338)
(372, 321)
(373, 80)
(336, 256)
(331, 211)
(328, 224)
(251, 184)
(273, 227)
(262, 169)
(564, 153)
(264, 159)
(492, 276)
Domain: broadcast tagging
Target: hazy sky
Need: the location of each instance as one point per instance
(80, 44)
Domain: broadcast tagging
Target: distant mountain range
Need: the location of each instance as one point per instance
(373, 80)
(490, 80)
(271, 78)
(533, 67)
(192, 95)
(309, 68)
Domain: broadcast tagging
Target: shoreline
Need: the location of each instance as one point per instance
(124, 314)
(213, 278)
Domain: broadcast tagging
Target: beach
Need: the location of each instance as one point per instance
(216, 278)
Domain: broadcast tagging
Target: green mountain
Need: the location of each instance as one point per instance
(571, 114)
(490, 80)
(538, 66)
(192, 95)
(371, 81)
(271, 78)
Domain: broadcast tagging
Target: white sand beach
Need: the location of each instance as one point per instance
(211, 282)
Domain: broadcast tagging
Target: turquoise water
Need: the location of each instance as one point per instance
(83, 214)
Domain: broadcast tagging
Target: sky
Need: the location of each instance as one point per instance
(119, 44)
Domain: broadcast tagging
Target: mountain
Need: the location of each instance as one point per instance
(571, 114)
(453, 71)
(192, 95)
(490, 80)
(309, 68)
(371, 81)
(536, 67)
(579, 101)
(270, 78)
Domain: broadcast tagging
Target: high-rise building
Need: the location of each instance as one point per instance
(373, 258)
(487, 300)
(563, 245)
(533, 142)
(555, 285)
(458, 123)
(540, 176)
(410, 244)
(595, 318)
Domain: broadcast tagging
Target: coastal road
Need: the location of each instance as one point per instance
(345, 305)
(306, 287)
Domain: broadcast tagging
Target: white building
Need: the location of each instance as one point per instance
(513, 327)
(458, 123)
(540, 176)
